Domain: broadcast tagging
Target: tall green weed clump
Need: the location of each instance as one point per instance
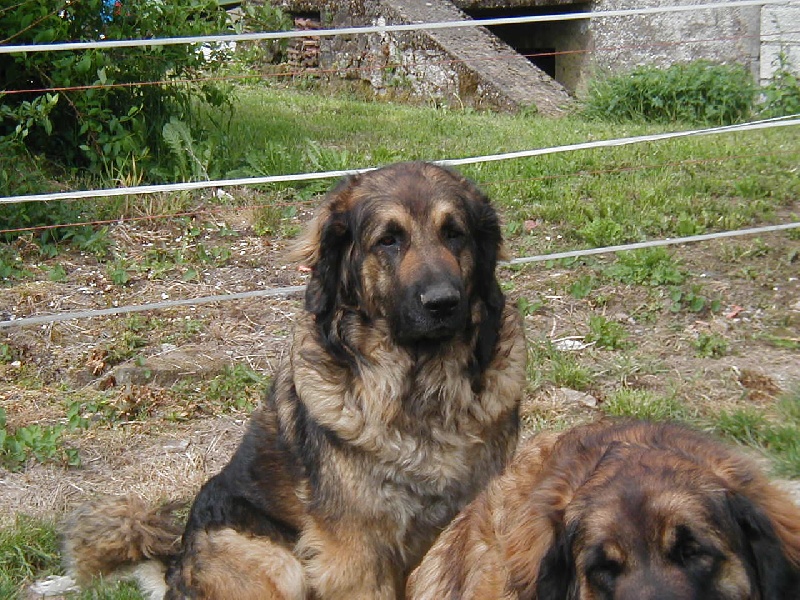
(781, 96)
(697, 92)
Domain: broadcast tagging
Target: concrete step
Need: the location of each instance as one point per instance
(467, 65)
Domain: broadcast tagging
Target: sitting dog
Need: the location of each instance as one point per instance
(398, 401)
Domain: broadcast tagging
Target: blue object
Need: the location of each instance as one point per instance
(107, 10)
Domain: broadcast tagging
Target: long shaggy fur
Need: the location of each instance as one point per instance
(121, 538)
(620, 510)
(397, 402)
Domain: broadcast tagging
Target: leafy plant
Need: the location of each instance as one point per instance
(582, 287)
(26, 117)
(529, 307)
(119, 272)
(129, 340)
(7, 353)
(41, 442)
(602, 232)
(781, 96)
(710, 345)
(695, 92)
(238, 386)
(191, 160)
(692, 300)
(113, 105)
(647, 266)
(606, 334)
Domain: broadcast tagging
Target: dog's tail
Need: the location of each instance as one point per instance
(122, 538)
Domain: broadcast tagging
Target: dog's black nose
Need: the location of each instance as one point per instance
(441, 300)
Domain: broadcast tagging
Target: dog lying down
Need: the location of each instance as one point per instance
(620, 510)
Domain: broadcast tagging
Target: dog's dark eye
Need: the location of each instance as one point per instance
(602, 570)
(451, 233)
(689, 553)
(389, 240)
(603, 574)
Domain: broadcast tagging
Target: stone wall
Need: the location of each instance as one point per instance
(454, 66)
(780, 34)
(619, 44)
(459, 66)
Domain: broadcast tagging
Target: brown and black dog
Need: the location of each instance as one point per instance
(622, 510)
(398, 401)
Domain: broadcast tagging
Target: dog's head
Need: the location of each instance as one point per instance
(674, 516)
(413, 244)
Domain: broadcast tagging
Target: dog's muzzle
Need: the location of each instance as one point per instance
(436, 311)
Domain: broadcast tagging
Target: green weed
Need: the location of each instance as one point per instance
(57, 273)
(28, 550)
(561, 368)
(8, 353)
(778, 436)
(645, 405)
(692, 300)
(269, 219)
(44, 443)
(93, 241)
(603, 232)
(781, 341)
(606, 334)
(11, 265)
(710, 345)
(582, 287)
(529, 307)
(695, 92)
(648, 266)
(238, 386)
(119, 272)
(128, 342)
(781, 95)
(215, 255)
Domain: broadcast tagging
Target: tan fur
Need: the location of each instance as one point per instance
(661, 501)
(232, 566)
(396, 403)
(107, 535)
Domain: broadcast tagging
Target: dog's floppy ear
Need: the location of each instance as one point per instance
(322, 247)
(556, 577)
(488, 238)
(773, 573)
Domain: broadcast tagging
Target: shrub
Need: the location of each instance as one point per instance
(104, 129)
(115, 131)
(695, 92)
(122, 133)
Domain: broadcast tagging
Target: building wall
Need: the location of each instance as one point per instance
(780, 34)
(620, 44)
(457, 66)
(418, 65)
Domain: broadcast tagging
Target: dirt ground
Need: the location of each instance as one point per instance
(169, 442)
